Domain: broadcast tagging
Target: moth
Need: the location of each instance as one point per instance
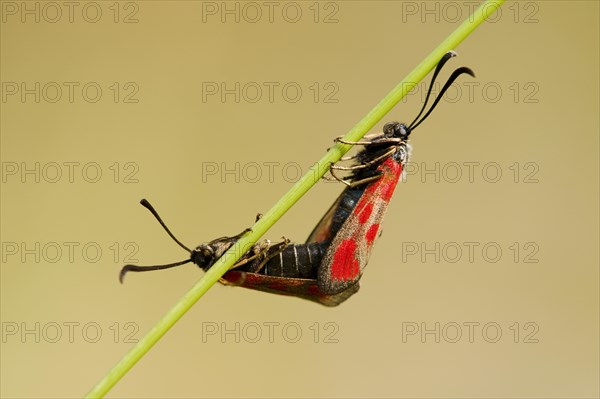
(328, 266)
(375, 174)
(282, 268)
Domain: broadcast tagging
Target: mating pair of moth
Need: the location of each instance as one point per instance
(327, 268)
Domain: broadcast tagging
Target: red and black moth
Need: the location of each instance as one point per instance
(372, 183)
(328, 267)
(280, 268)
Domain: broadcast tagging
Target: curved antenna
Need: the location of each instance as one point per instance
(438, 68)
(148, 206)
(134, 268)
(451, 79)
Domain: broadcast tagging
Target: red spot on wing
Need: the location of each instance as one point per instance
(345, 262)
(365, 213)
(372, 233)
(345, 265)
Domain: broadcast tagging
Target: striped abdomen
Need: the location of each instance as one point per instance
(294, 261)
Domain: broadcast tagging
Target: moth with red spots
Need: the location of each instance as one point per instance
(375, 176)
(327, 268)
(281, 268)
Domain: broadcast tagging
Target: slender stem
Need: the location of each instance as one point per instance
(289, 199)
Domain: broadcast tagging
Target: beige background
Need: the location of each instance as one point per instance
(533, 109)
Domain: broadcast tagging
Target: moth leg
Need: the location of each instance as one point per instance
(348, 158)
(369, 139)
(335, 177)
(367, 164)
(376, 176)
(366, 180)
(329, 178)
(238, 236)
(341, 140)
(278, 248)
(256, 250)
(246, 230)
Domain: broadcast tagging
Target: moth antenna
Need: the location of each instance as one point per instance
(438, 68)
(451, 79)
(134, 268)
(148, 206)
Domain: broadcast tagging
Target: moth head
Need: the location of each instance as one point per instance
(396, 130)
(206, 254)
(203, 256)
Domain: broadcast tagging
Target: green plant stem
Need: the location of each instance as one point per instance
(289, 199)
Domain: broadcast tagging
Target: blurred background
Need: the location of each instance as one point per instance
(483, 284)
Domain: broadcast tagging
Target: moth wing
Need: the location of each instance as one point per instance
(299, 287)
(322, 231)
(350, 249)
(349, 252)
